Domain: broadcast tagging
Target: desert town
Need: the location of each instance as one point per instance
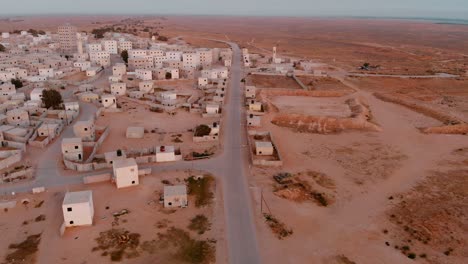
(121, 144)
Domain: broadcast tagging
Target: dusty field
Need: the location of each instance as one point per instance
(431, 220)
(343, 222)
(335, 107)
(272, 81)
(161, 128)
(324, 84)
(148, 233)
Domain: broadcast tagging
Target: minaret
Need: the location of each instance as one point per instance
(79, 42)
(274, 55)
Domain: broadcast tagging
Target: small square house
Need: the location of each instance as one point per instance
(48, 130)
(202, 82)
(255, 106)
(72, 149)
(36, 94)
(253, 120)
(78, 208)
(85, 130)
(118, 89)
(146, 86)
(113, 156)
(165, 153)
(250, 91)
(168, 96)
(263, 148)
(175, 196)
(109, 101)
(18, 117)
(72, 106)
(212, 109)
(125, 172)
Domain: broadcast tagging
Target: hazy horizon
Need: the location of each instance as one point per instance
(449, 9)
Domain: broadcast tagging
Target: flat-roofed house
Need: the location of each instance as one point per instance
(78, 208)
(125, 172)
(72, 149)
(263, 148)
(165, 153)
(85, 130)
(18, 117)
(175, 196)
(118, 88)
(109, 101)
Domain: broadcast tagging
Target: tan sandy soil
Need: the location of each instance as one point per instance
(146, 217)
(335, 107)
(159, 127)
(366, 168)
(272, 81)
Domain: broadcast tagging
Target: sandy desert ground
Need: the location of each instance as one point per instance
(156, 234)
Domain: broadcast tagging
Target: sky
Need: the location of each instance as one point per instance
(379, 8)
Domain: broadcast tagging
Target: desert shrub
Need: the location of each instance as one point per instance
(199, 223)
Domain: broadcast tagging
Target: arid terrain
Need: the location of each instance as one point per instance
(374, 162)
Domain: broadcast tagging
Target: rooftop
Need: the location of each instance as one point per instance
(175, 190)
(77, 197)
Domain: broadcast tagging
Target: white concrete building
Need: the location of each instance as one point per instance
(202, 82)
(36, 94)
(72, 106)
(50, 130)
(92, 71)
(146, 86)
(108, 101)
(250, 91)
(212, 109)
(18, 117)
(7, 89)
(101, 58)
(175, 196)
(85, 130)
(47, 72)
(78, 208)
(125, 172)
(190, 60)
(165, 153)
(72, 149)
(83, 65)
(125, 45)
(263, 148)
(119, 69)
(110, 46)
(94, 47)
(118, 88)
(144, 74)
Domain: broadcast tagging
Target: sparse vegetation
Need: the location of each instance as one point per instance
(202, 130)
(199, 223)
(201, 189)
(23, 252)
(118, 243)
(2, 48)
(279, 228)
(162, 38)
(17, 82)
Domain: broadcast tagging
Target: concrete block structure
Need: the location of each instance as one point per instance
(18, 117)
(48, 130)
(263, 148)
(250, 91)
(85, 130)
(175, 196)
(36, 94)
(146, 86)
(109, 101)
(118, 89)
(78, 208)
(125, 172)
(72, 149)
(165, 153)
(119, 69)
